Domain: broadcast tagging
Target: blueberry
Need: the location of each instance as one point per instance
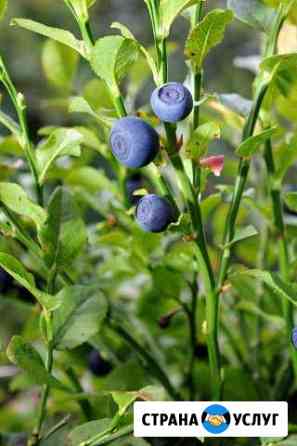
(98, 365)
(154, 213)
(201, 351)
(294, 337)
(134, 142)
(6, 281)
(133, 183)
(172, 102)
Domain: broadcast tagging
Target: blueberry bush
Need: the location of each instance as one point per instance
(147, 263)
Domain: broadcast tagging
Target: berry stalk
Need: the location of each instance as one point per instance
(197, 80)
(200, 239)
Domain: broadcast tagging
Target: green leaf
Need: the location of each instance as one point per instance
(81, 6)
(9, 145)
(290, 441)
(291, 200)
(252, 144)
(59, 64)
(3, 8)
(13, 267)
(150, 60)
(170, 10)
(56, 435)
(111, 58)
(87, 431)
(79, 104)
(125, 399)
(91, 179)
(244, 233)
(60, 35)
(126, 33)
(200, 139)
(79, 317)
(61, 142)
(207, 34)
(89, 137)
(27, 358)
(16, 199)
(10, 124)
(281, 69)
(128, 376)
(118, 435)
(285, 157)
(91, 3)
(279, 287)
(253, 12)
(252, 308)
(63, 236)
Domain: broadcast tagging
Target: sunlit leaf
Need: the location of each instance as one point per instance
(60, 35)
(207, 34)
(111, 58)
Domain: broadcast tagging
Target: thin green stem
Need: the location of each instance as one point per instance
(20, 107)
(120, 106)
(197, 80)
(84, 404)
(241, 179)
(283, 251)
(36, 435)
(150, 361)
(191, 313)
(271, 44)
(114, 436)
(200, 238)
(118, 101)
(244, 164)
(57, 427)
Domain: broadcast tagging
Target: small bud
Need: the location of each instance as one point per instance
(111, 220)
(214, 163)
(226, 287)
(165, 320)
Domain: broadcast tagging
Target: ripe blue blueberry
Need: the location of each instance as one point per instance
(154, 213)
(98, 365)
(172, 102)
(134, 142)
